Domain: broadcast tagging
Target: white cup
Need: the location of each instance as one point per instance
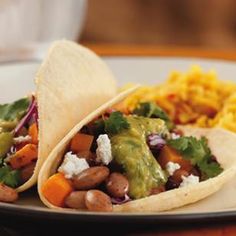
(30, 22)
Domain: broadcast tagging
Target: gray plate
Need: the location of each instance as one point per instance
(16, 80)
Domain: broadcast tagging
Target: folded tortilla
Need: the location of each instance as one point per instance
(222, 145)
(71, 82)
(221, 142)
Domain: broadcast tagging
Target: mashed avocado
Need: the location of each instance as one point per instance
(130, 150)
(6, 141)
(6, 126)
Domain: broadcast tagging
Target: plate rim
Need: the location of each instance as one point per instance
(50, 215)
(29, 211)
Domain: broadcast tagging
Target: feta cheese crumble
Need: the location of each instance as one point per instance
(171, 167)
(72, 165)
(103, 151)
(189, 180)
(22, 139)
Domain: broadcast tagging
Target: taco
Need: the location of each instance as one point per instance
(130, 162)
(71, 82)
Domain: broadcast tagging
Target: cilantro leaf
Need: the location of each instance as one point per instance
(115, 123)
(9, 177)
(99, 127)
(191, 148)
(15, 110)
(180, 144)
(210, 170)
(150, 109)
(198, 153)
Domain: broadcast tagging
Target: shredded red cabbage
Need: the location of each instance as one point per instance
(32, 113)
(122, 200)
(155, 142)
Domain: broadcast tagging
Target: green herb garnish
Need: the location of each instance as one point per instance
(15, 110)
(198, 153)
(99, 127)
(115, 123)
(151, 110)
(9, 177)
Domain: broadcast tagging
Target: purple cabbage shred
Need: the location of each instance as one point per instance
(119, 201)
(31, 114)
(155, 142)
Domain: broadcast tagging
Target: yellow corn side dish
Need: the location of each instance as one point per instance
(195, 97)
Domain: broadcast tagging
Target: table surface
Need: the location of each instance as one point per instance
(188, 230)
(152, 50)
(226, 228)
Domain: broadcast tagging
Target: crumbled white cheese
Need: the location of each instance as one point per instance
(189, 180)
(22, 139)
(171, 167)
(175, 136)
(72, 165)
(103, 151)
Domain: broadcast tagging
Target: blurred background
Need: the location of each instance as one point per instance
(201, 23)
(195, 23)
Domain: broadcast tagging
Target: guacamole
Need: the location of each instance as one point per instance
(130, 150)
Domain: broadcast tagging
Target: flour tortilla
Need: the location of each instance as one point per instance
(71, 82)
(53, 161)
(222, 145)
(221, 142)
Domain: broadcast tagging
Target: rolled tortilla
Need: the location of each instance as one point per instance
(71, 82)
(221, 142)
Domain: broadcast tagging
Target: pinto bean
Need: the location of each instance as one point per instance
(27, 172)
(195, 171)
(175, 180)
(157, 190)
(76, 200)
(90, 178)
(117, 185)
(7, 194)
(89, 156)
(177, 176)
(97, 200)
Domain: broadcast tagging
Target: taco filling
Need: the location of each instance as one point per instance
(120, 157)
(18, 144)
